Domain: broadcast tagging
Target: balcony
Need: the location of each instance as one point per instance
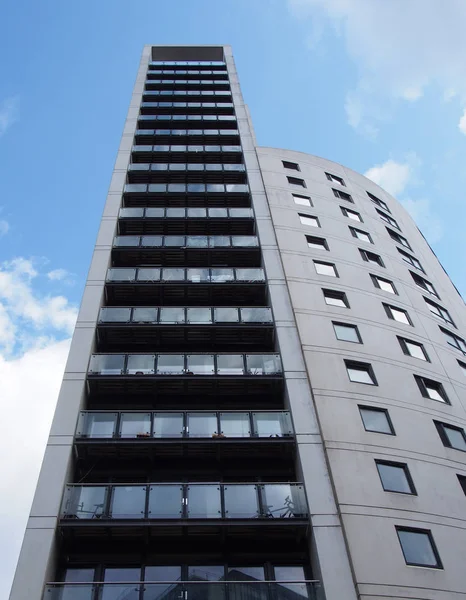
(175, 84)
(191, 194)
(165, 510)
(247, 589)
(209, 108)
(214, 221)
(188, 329)
(182, 172)
(164, 378)
(176, 250)
(187, 95)
(187, 121)
(192, 153)
(193, 437)
(187, 64)
(187, 136)
(181, 286)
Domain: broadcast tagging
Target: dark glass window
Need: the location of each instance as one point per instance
(397, 314)
(414, 349)
(336, 298)
(371, 257)
(290, 165)
(376, 420)
(418, 547)
(360, 372)
(335, 178)
(316, 242)
(342, 195)
(296, 181)
(395, 477)
(347, 333)
(432, 389)
(451, 436)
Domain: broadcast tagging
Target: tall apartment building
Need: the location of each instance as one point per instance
(266, 389)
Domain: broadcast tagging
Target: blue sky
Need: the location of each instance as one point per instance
(378, 86)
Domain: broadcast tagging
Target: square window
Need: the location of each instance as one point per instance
(361, 235)
(309, 220)
(342, 195)
(296, 181)
(347, 333)
(383, 284)
(439, 312)
(360, 372)
(413, 349)
(335, 178)
(397, 314)
(376, 420)
(395, 477)
(411, 260)
(398, 238)
(371, 257)
(336, 298)
(290, 165)
(451, 436)
(324, 268)
(462, 366)
(432, 389)
(351, 214)
(317, 243)
(377, 201)
(302, 200)
(424, 284)
(418, 547)
(390, 220)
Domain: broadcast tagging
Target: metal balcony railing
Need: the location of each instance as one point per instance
(200, 117)
(174, 315)
(185, 501)
(183, 188)
(165, 425)
(176, 365)
(186, 590)
(189, 93)
(180, 148)
(185, 167)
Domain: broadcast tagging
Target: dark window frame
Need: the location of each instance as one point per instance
(287, 164)
(462, 482)
(379, 202)
(296, 181)
(375, 282)
(349, 325)
(308, 217)
(406, 351)
(355, 231)
(342, 195)
(389, 307)
(336, 294)
(416, 277)
(361, 366)
(396, 237)
(448, 320)
(364, 254)
(345, 210)
(335, 179)
(322, 242)
(462, 366)
(405, 469)
(414, 262)
(421, 382)
(428, 533)
(381, 410)
(390, 220)
(302, 198)
(329, 264)
(444, 437)
(458, 339)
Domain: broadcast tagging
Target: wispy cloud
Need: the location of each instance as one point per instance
(60, 275)
(390, 70)
(4, 227)
(9, 113)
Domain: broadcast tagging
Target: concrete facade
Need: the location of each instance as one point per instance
(353, 546)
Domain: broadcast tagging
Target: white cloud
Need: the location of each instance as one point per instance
(393, 176)
(57, 274)
(9, 113)
(425, 218)
(30, 386)
(400, 47)
(462, 123)
(4, 227)
(34, 344)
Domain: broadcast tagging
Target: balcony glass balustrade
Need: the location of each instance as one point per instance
(185, 148)
(186, 241)
(200, 589)
(230, 118)
(186, 188)
(185, 132)
(185, 364)
(183, 213)
(199, 167)
(180, 315)
(183, 425)
(187, 105)
(187, 93)
(156, 275)
(185, 501)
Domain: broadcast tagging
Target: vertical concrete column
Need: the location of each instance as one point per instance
(36, 563)
(328, 549)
